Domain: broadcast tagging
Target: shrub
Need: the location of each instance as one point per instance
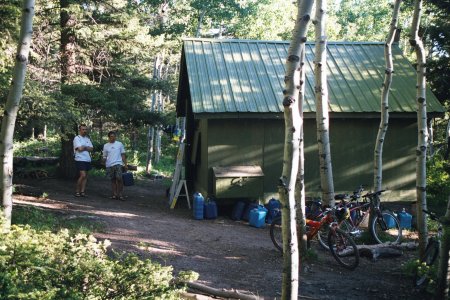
(44, 265)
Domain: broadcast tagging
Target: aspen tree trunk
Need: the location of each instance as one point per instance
(11, 109)
(422, 135)
(300, 185)
(201, 15)
(153, 105)
(384, 122)
(293, 129)
(321, 90)
(158, 130)
(150, 138)
(443, 274)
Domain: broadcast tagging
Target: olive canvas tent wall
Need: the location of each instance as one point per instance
(231, 90)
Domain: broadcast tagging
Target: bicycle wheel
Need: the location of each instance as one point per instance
(276, 235)
(431, 253)
(385, 228)
(343, 248)
(322, 236)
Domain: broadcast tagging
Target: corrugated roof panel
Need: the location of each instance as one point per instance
(269, 77)
(233, 78)
(194, 80)
(369, 72)
(213, 78)
(223, 76)
(309, 102)
(266, 95)
(344, 98)
(248, 76)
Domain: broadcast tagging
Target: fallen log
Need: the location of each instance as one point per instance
(233, 294)
(26, 190)
(227, 294)
(386, 250)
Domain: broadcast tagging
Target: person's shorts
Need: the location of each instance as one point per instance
(114, 172)
(83, 165)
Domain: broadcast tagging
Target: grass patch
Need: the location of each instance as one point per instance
(41, 220)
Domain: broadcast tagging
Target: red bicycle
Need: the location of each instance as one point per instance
(340, 243)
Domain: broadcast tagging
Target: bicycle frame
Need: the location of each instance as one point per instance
(315, 226)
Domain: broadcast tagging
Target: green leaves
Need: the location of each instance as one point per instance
(43, 265)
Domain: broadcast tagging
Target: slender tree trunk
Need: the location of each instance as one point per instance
(300, 184)
(293, 129)
(200, 21)
(68, 39)
(151, 137)
(68, 61)
(45, 133)
(11, 109)
(443, 274)
(384, 122)
(422, 143)
(321, 90)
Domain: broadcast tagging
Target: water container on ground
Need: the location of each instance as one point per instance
(405, 219)
(127, 179)
(258, 217)
(238, 210)
(390, 221)
(197, 208)
(273, 210)
(210, 209)
(247, 210)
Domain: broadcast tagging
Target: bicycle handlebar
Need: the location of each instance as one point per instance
(431, 214)
(370, 195)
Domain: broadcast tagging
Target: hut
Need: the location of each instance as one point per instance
(230, 92)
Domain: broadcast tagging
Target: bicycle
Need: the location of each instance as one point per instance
(421, 276)
(343, 247)
(383, 225)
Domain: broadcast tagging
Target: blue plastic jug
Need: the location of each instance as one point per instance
(238, 210)
(197, 208)
(210, 209)
(258, 217)
(127, 179)
(390, 221)
(405, 219)
(250, 206)
(273, 210)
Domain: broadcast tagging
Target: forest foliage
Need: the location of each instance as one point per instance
(115, 44)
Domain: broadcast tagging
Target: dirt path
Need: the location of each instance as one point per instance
(225, 253)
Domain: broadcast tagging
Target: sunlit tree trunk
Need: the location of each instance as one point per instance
(300, 185)
(384, 122)
(150, 138)
(321, 90)
(153, 107)
(291, 151)
(443, 275)
(422, 143)
(11, 109)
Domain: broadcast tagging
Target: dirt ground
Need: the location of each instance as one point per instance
(226, 254)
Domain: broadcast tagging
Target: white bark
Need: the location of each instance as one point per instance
(422, 142)
(321, 90)
(293, 129)
(11, 109)
(300, 185)
(384, 122)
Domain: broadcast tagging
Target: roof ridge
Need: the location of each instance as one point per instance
(279, 42)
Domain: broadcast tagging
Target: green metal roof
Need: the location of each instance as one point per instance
(240, 76)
